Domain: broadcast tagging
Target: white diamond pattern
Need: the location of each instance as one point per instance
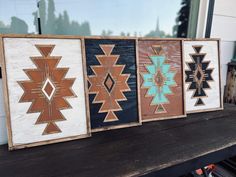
(48, 95)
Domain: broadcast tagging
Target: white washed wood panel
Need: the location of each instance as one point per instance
(212, 100)
(17, 53)
(224, 28)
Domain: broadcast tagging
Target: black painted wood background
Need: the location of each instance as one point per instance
(126, 50)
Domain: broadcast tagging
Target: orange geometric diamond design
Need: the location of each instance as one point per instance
(47, 89)
(108, 83)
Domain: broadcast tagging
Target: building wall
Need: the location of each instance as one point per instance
(224, 27)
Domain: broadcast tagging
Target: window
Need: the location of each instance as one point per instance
(141, 18)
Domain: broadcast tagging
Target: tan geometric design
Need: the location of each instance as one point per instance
(47, 89)
(108, 83)
(157, 49)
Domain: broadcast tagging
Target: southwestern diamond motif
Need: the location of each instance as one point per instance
(108, 83)
(198, 75)
(47, 89)
(158, 79)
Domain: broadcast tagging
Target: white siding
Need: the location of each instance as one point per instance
(224, 27)
(225, 7)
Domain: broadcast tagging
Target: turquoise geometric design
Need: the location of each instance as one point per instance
(158, 80)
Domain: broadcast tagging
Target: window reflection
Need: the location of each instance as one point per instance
(16, 16)
(152, 18)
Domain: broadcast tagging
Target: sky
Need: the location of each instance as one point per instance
(116, 15)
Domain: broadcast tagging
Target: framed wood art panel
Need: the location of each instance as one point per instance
(202, 75)
(161, 79)
(112, 82)
(230, 89)
(44, 89)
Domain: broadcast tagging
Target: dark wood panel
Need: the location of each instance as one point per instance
(112, 81)
(131, 152)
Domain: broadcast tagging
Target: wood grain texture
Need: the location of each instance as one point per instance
(17, 58)
(111, 69)
(230, 89)
(172, 51)
(210, 50)
(131, 152)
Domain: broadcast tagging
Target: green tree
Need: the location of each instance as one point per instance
(74, 26)
(84, 29)
(51, 18)
(61, 24)
(59, 28)
(122, 34)
(106, 33)
(18, 26)
(181, 27)
(66, 19)
(42, 13)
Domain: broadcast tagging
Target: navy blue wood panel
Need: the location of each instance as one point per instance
(127, 56)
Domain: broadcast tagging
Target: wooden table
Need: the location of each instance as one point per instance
(164, 148)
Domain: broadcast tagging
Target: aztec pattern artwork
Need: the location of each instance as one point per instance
(111, 68)
(198, 75)
(158, 79)
(161, 80)
(202, 80)
(46, 90)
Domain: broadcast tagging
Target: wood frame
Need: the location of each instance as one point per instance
(219, 70)
(138, 91)
(82, 39)
(6, 94)
(183, 78)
